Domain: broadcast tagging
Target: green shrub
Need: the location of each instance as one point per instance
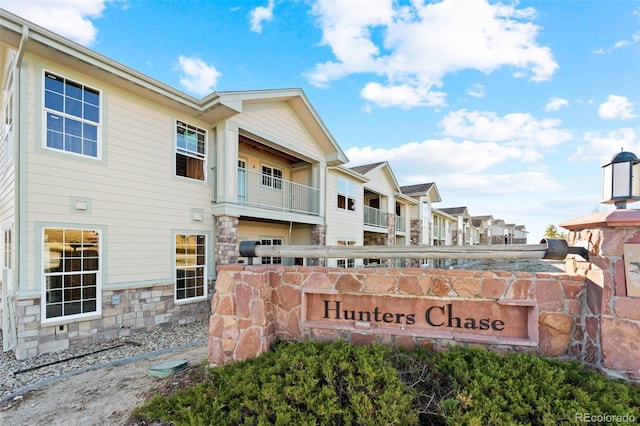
(302, 383)
(528, 390)
(340, 384)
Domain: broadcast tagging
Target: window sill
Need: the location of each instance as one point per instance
(190, 300)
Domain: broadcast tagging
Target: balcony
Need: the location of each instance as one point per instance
(269, 192)
(375, 217)
(401, 224)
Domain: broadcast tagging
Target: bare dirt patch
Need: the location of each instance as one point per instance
(103, 396)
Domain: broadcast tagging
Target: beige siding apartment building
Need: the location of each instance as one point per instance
(119, 195)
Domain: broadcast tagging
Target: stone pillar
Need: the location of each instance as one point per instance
(318, 238)
(611, 318)
(319, 235)
(416, 232)
(226, 239)
(391, 229)
(242, 323)
(415, 240)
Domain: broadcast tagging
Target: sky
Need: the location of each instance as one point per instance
(511, 108)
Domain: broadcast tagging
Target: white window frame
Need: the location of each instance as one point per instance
(91, 237)
(186, 150)
(85, 123)
(270, 178)
(346, 262)
(201, 268)
(274, 241)
(346, 189)
(8, 247)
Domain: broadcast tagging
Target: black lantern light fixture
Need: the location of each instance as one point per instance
(621, 180)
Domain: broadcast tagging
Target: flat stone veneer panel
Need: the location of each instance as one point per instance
(138, 310)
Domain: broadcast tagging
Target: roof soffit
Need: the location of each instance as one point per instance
(444, 214)
(351, 173)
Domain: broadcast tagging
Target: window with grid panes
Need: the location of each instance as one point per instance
(191, 266)
(71, 270)
(346, 194)
(272, 177)
(346, 263)
(191, 150)
(72, 116)
(271, 260)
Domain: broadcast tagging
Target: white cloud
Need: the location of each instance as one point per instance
(480, 153)
(601, 147)
(69, 18)
(616, 107)
(346, 29)
(635, 38)
(466, 171)
(196, 76)
(413, 47)
(436, 156)
(404, 96)
(477, 91)
(498, 184)
(622, 43)
(261, 14)
(515, 129)
(489, 163)
(556, 103)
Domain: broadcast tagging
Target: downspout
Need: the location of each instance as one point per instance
(10, 340)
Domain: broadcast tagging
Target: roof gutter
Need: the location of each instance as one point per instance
(23, 45)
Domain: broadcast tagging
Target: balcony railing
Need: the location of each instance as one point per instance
(375, 217)
(401, 224)
(257, 189)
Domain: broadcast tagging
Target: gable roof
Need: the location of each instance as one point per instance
(366, 168)
(300, 104)
(485, 217)
(419, 189)
(455, 211)
(439, 212)
(347, 171)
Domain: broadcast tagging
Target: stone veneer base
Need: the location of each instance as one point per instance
(136, 310)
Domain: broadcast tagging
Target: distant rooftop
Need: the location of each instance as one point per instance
(366, 167)
(419, 188)
(454, 210)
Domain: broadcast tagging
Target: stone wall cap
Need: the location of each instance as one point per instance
(614, 218)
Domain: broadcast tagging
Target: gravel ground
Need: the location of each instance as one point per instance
(510, 265)
(17, 377)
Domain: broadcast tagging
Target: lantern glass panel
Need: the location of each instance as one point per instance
(606, 182)
(635, 183)
(621, 179)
